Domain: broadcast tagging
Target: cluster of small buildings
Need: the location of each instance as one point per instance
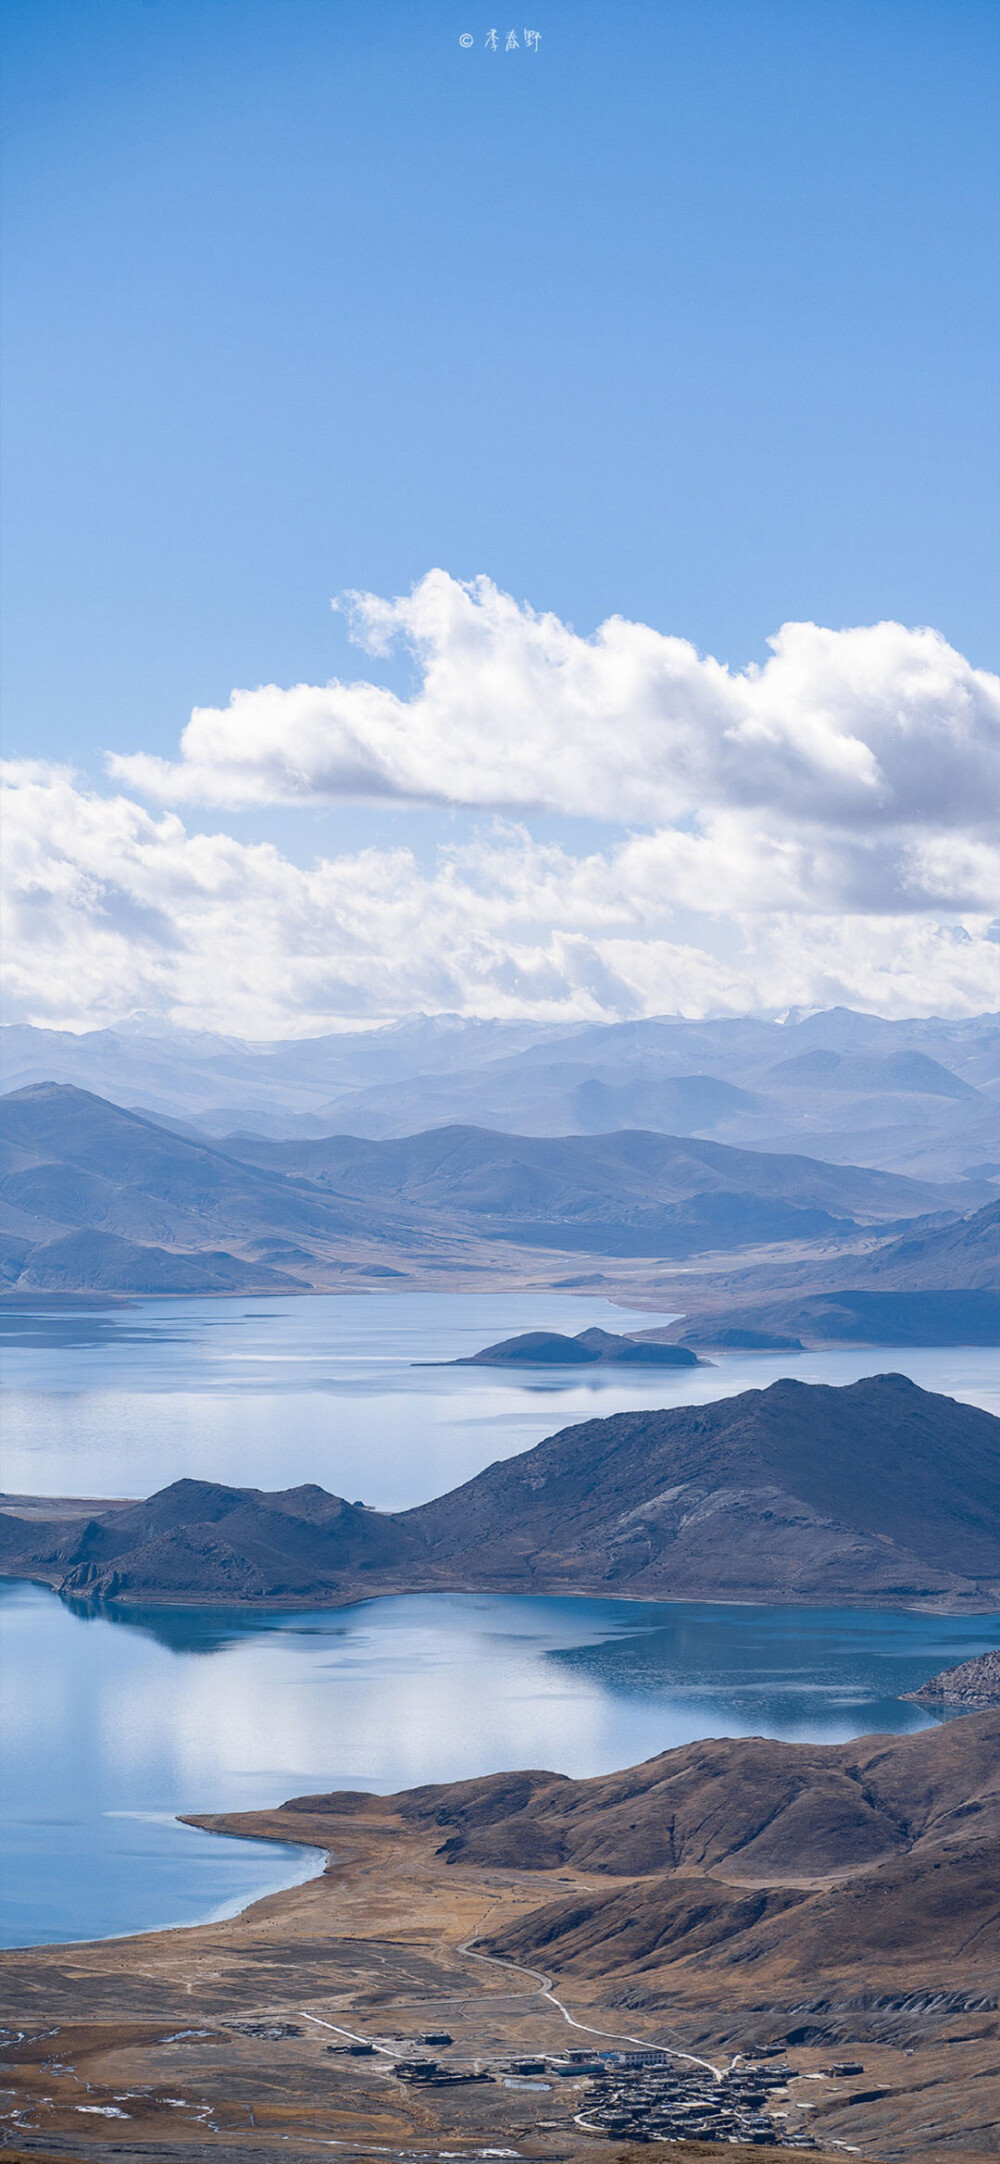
(637, 2097)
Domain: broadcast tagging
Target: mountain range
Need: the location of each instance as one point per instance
(93, 1197)
(933, 1284)
(876, 1494)
(916, 1096)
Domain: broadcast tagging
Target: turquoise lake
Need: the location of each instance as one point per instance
(114, 1723)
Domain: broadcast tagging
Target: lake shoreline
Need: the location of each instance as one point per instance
(403, 1939)
(382, 1694)
(539, 1589)
(251, 1700)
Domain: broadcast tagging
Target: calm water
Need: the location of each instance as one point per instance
(112, 1726)
(324, 1387)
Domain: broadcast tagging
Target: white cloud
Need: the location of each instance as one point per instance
(112, 911)
(861, 731)
(821, 829)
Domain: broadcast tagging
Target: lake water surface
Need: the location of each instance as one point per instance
(325, 1387)
(113, 1724)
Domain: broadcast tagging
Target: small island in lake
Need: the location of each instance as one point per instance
(589, 1348)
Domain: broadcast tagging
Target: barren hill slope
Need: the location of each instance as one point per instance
(749, 1808)
(876, 1493)
(880, 1487)
(830, 1885)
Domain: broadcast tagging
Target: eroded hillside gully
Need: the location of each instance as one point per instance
(783, 1940)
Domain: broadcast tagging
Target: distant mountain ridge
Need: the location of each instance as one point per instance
(933, 1285)
(99, 1198)
(860, 1316)
(632, 1192)
(876, 1494)
(93, 1196)
(916, 1096)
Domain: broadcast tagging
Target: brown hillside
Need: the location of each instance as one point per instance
(745, 1808)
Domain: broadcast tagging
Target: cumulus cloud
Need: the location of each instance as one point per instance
(111, 910)
(821, 829)
(864, 731)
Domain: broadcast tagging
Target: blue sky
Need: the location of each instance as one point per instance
(688, 314)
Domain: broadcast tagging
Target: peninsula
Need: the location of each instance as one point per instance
(876, 1494)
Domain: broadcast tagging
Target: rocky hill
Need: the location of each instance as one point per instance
(878, 1493)
(972, 1684)
(198, 1540)
(749, 1808)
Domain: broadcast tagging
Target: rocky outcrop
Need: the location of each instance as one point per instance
(972, 1684)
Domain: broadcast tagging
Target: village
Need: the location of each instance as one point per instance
(639, 2096)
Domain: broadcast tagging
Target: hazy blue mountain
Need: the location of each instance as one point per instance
(648, 1193)
(856, 1316)
(93, 1196)
(180, 1072)
(921, 1097)
(911, 1072)
(967, 1254)
(101, 1262)
(933, 1284)
(78, 1173)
